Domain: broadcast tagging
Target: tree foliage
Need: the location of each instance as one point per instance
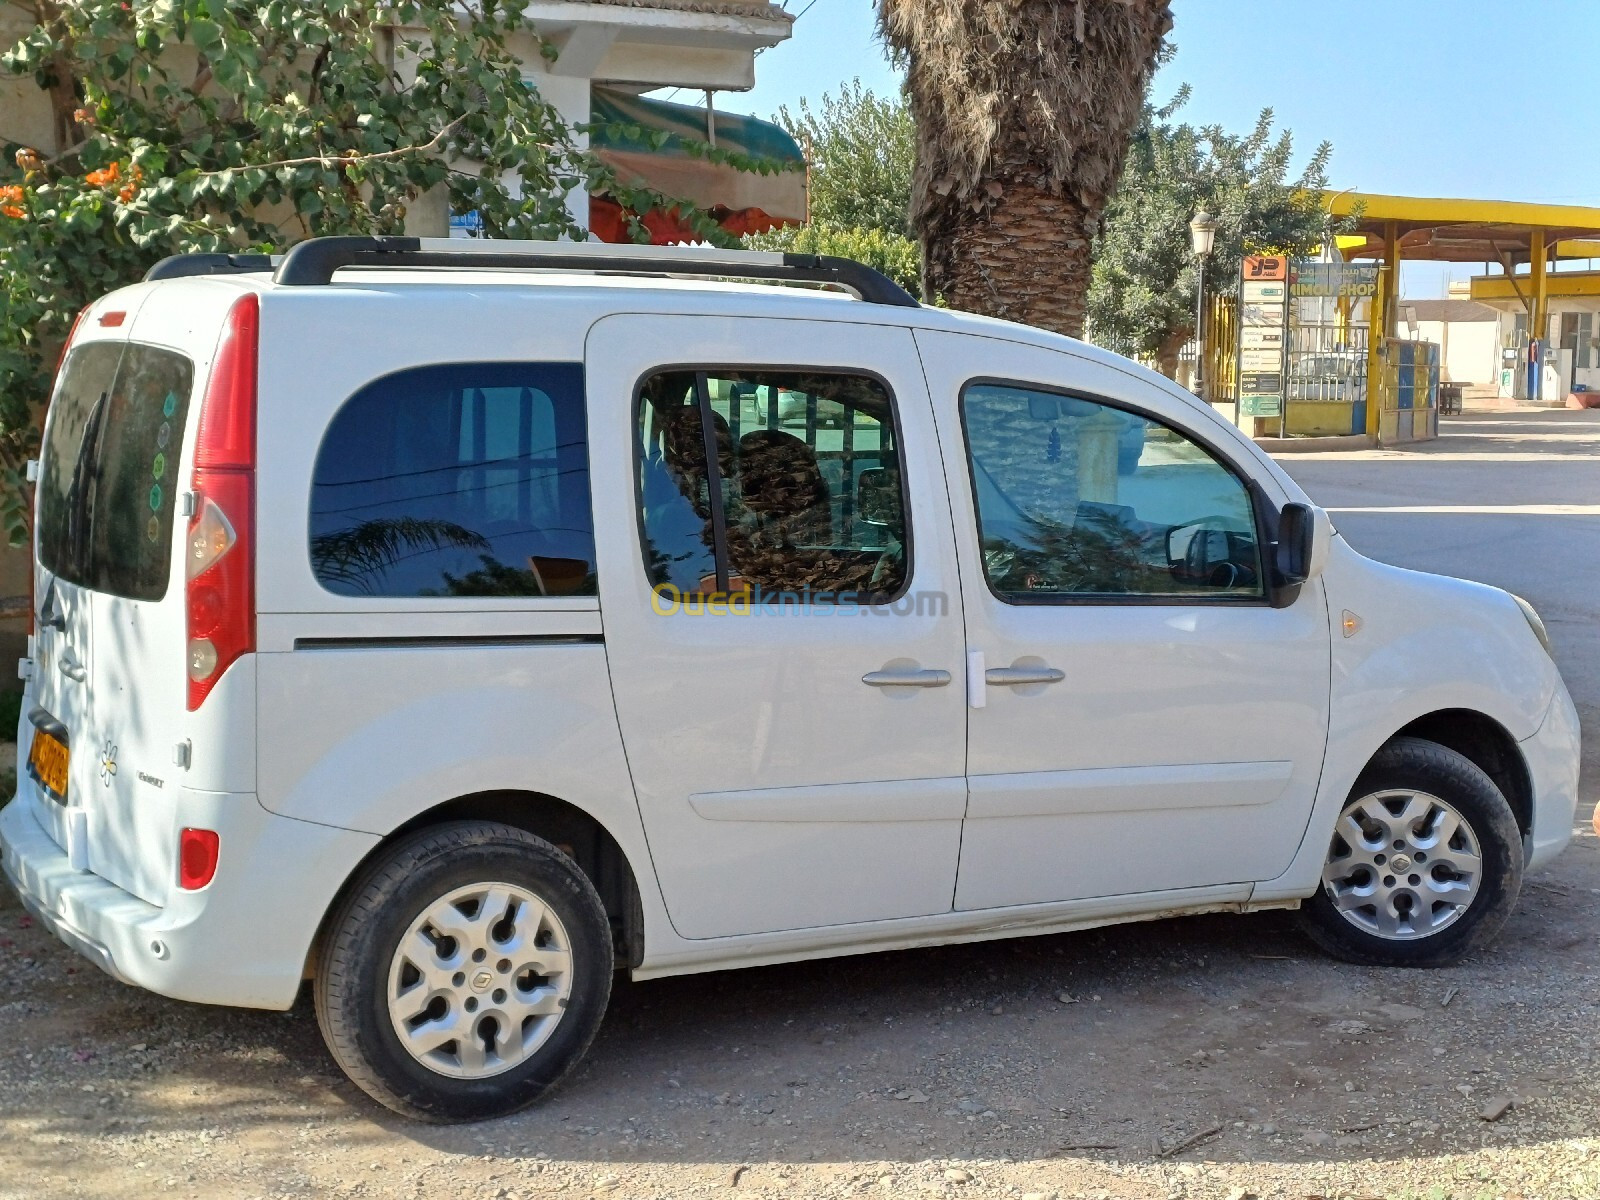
(1142, 298)
(233, 124)
(895, 255)
(860, 148)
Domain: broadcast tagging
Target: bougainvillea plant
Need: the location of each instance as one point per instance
(228, 125)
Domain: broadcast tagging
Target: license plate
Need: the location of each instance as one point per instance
(47, 763)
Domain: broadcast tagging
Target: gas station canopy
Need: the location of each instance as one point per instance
(1484, 231)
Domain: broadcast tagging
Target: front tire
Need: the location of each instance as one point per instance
(1425, 863)
(465, 973)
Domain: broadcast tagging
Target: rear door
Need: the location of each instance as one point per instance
(111, 580)
(57, 700)
(782, 617)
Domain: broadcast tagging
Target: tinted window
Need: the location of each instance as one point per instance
(106, 489)
(464, 479)
(1080, 499)
(803, 502)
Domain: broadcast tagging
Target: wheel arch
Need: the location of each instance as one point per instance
(572, 830)
(1486, 743)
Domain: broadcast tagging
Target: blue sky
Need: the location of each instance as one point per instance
(1476, 98)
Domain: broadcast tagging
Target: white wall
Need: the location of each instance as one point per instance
(1470, 350)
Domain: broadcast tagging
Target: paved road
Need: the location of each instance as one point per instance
(1510, 499)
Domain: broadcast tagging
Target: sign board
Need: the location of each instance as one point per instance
(1260, 406)
(1263, 334)
(1259, 266)
(1265, 293)
(466, 225)
(1357, 281)
(1262, 362)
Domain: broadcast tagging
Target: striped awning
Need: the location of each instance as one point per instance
(646, 143)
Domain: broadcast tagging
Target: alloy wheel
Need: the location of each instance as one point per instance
(1403, 865)
(480, 980)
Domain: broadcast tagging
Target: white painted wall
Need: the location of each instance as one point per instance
(1469, 349)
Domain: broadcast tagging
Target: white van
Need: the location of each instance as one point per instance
(453, 624)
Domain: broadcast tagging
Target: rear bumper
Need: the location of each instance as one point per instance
(1552, 758)
(241, 941)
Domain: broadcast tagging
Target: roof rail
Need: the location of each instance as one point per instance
(181, 266)
(312, 263)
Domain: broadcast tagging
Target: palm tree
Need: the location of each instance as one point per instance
(1023, 111)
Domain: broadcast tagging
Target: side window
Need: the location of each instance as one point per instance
(783, 486)
(1079, 500)
(462, 479)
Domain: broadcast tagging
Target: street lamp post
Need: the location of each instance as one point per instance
(1202, 236)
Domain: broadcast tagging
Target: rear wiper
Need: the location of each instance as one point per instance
(50, 615)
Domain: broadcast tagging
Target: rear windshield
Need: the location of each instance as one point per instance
(106, 494)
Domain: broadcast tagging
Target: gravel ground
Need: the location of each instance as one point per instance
(1205, 1057)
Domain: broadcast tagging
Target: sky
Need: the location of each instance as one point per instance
(1470, 98)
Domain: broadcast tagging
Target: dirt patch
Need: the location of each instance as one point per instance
(1205, 1057)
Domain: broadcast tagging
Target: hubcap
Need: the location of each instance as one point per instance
(480, 980)
(1403, 865)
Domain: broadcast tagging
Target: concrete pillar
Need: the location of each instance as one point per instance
(1539, 319)
(1097, 457)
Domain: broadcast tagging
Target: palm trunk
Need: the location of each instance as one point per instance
(1170, 352)
(1023, 111)
(1025, 256)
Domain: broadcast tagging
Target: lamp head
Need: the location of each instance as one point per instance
(1202, 233)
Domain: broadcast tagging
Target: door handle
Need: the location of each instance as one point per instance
(73, 669)
(927, 678)
(1013, 676)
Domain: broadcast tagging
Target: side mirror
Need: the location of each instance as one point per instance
(878, 497)
(1297, 525)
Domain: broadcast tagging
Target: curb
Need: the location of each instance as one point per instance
(1317, 445)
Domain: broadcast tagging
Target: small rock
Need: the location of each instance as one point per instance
(1494, 1108)
(1035, 1196)
(1066, 998)
(139, 1046)
(1465, 1089)
(997, 1010)
(957, 1175)
(1318, 1138)
(1241, 1193)
(914, 1096)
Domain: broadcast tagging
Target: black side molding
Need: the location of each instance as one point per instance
(415, 643)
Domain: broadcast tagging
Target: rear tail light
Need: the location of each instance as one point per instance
(198, 850)
(219, 553)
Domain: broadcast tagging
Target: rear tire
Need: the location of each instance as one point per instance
(465, 974)
(1425, 863)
